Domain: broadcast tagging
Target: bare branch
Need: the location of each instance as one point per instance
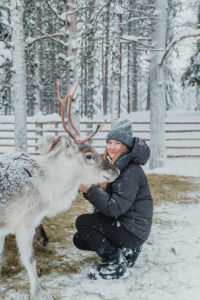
(4, 8)
(132, 39)
(54, 11)
(47, 37)
(134, 20)
(57, 15)
(100, 11)
(177, 41)
(3, 66)
(7, 43)
(140, 11)
(7, 25)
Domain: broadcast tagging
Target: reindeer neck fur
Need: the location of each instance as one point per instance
(61, 172)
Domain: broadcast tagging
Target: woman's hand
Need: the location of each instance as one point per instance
(84, 188)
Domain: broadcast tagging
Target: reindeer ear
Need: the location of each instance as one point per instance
(68, 146)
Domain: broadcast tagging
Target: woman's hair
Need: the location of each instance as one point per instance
(122, 149)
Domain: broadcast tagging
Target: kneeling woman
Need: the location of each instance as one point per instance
(122, 219)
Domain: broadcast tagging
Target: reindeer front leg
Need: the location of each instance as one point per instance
(24, 239)
(2, 242)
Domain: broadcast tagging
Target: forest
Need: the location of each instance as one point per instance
(108, 45)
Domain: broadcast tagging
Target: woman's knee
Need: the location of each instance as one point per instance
(81, 221)
(76, 239)
(80, 243)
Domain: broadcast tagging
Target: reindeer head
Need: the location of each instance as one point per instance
(82, 160)
(95, 168)
(91, 166)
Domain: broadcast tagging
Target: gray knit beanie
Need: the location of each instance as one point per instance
(122, 132)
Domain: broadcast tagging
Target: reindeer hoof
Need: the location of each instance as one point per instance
(40, 237)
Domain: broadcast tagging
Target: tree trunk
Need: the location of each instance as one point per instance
(18, 89)
(135, 80)
(148, 94)
(198, 96)
(115, 113)
(38, 59)
(106, 62)
(157, 89)
(120, 58)
(90, 64)
(71, 53)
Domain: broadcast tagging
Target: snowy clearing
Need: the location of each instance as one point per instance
(168, 267)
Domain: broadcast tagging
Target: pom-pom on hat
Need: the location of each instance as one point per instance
(122, 132)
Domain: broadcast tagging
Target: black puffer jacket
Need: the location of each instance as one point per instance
(128, 198)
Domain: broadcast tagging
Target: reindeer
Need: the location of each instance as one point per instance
(33, 188)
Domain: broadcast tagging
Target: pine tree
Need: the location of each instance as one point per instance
(192, 74)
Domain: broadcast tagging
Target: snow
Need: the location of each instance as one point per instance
(4, 53)
(15, 174)
(178, 166)
(167, 268)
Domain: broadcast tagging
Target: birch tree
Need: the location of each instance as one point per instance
(192, 74)
(105, 59)
(38, 58)
(157, 88)
(132, 68)
(72, 55)
(18, 87)
(116, 53)
(5, 58)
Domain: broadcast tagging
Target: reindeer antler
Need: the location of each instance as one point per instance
(62, 109)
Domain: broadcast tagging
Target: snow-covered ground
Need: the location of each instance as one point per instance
(168, 267)
(178, 166)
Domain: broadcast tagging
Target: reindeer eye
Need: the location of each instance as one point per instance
(89, 156)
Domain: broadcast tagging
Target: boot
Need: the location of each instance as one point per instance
(94, 271)
(112, 268)
(131, 255)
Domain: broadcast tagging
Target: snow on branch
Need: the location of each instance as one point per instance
(133, 38)
(64, 15)
(3, 66)
(5, 24)
(4, 7)
(31, 41)
(135, 19)
(100, 11)
(190, 34)
(141, 11)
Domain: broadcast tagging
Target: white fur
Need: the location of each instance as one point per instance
(54, 188)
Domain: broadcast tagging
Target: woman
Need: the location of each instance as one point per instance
(122, 219)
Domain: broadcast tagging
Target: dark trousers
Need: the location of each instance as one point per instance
(102, 234)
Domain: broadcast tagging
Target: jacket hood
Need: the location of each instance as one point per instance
(139, 154)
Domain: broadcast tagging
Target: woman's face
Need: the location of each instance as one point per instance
(113, 147)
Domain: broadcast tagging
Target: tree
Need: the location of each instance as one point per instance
(5, 58)
(157, 88)
(18, 87)
(38, 58)
(116, 61)
(105, 59)
(192, 74)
